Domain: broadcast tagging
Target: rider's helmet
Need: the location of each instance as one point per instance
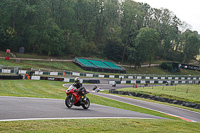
(77, 80)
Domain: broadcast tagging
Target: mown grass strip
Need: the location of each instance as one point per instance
(112, 103)
(54, 89)
(101, 125)
(69, 66)
(148, 100)
(178, 92)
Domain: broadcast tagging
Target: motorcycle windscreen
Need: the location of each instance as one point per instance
(71, 87)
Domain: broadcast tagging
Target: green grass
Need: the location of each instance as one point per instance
(52, 65)
(35, 56)
(109, 102)
(55, 90)
(173, 92)
(101, 126)
(160, 71)
(42, 64)
(28, 88)
(149, 100)
(146, 70)
(69, 66)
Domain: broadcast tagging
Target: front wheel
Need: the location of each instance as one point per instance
(86, 103)
(69, 101)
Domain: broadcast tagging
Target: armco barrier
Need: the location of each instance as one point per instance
(132, 78)
(22, 72)
(155, 82)
(63, 79)
(50, 78)
(35, 77)
(91, 81)
(7, 77)
(53, 73)
(156, 98)
(6, 71)
(142, 81)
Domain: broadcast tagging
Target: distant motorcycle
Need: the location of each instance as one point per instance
(96, 89)
(145, 84)
(77, 97)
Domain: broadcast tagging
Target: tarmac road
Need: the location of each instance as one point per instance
(169, 110)
(102, 86)
(23, 108)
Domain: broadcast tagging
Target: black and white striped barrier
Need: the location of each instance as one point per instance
(63, 79)
(154, 82)
(156, 98)
(118, 82)
(142, 79)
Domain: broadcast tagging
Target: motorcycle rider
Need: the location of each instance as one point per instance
(78, 85)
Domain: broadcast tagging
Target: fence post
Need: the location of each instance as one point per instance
(187, 89)
(175, 88)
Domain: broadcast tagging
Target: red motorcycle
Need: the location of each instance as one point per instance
(77, 97)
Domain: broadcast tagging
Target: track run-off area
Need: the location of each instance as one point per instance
(25, 108)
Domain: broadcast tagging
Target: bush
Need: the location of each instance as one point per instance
(166, 66)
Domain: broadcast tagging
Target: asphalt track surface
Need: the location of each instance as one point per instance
(22, 108)
(168, 110)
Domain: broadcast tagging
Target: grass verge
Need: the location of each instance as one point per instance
(101, 125)
(189, 93)
(148, 100)
(69, 66)
(54, 89)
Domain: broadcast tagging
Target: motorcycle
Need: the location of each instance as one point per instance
(96, 89)
(77, 97)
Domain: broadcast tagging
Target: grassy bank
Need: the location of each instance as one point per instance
(55, 90)
(69, 66)
(189, 93)
(101, 125)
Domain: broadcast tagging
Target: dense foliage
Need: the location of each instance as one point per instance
(166, 66)
(121, 31)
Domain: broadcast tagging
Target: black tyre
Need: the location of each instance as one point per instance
(69, 101)
(86, 103)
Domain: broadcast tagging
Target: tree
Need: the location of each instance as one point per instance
(85, 27)
(147, 43)
(166, 24)
(7, 37)
(113, 49)
(190, 45)
(131, 22)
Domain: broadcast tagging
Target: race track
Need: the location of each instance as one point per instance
(22, 108)
(168, 110)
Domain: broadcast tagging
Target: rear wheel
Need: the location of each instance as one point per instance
(69, 101)
(86, 103)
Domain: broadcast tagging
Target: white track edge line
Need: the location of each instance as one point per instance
(146, 108)
(30, 119)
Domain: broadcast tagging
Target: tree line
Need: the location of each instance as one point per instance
(118, 30)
